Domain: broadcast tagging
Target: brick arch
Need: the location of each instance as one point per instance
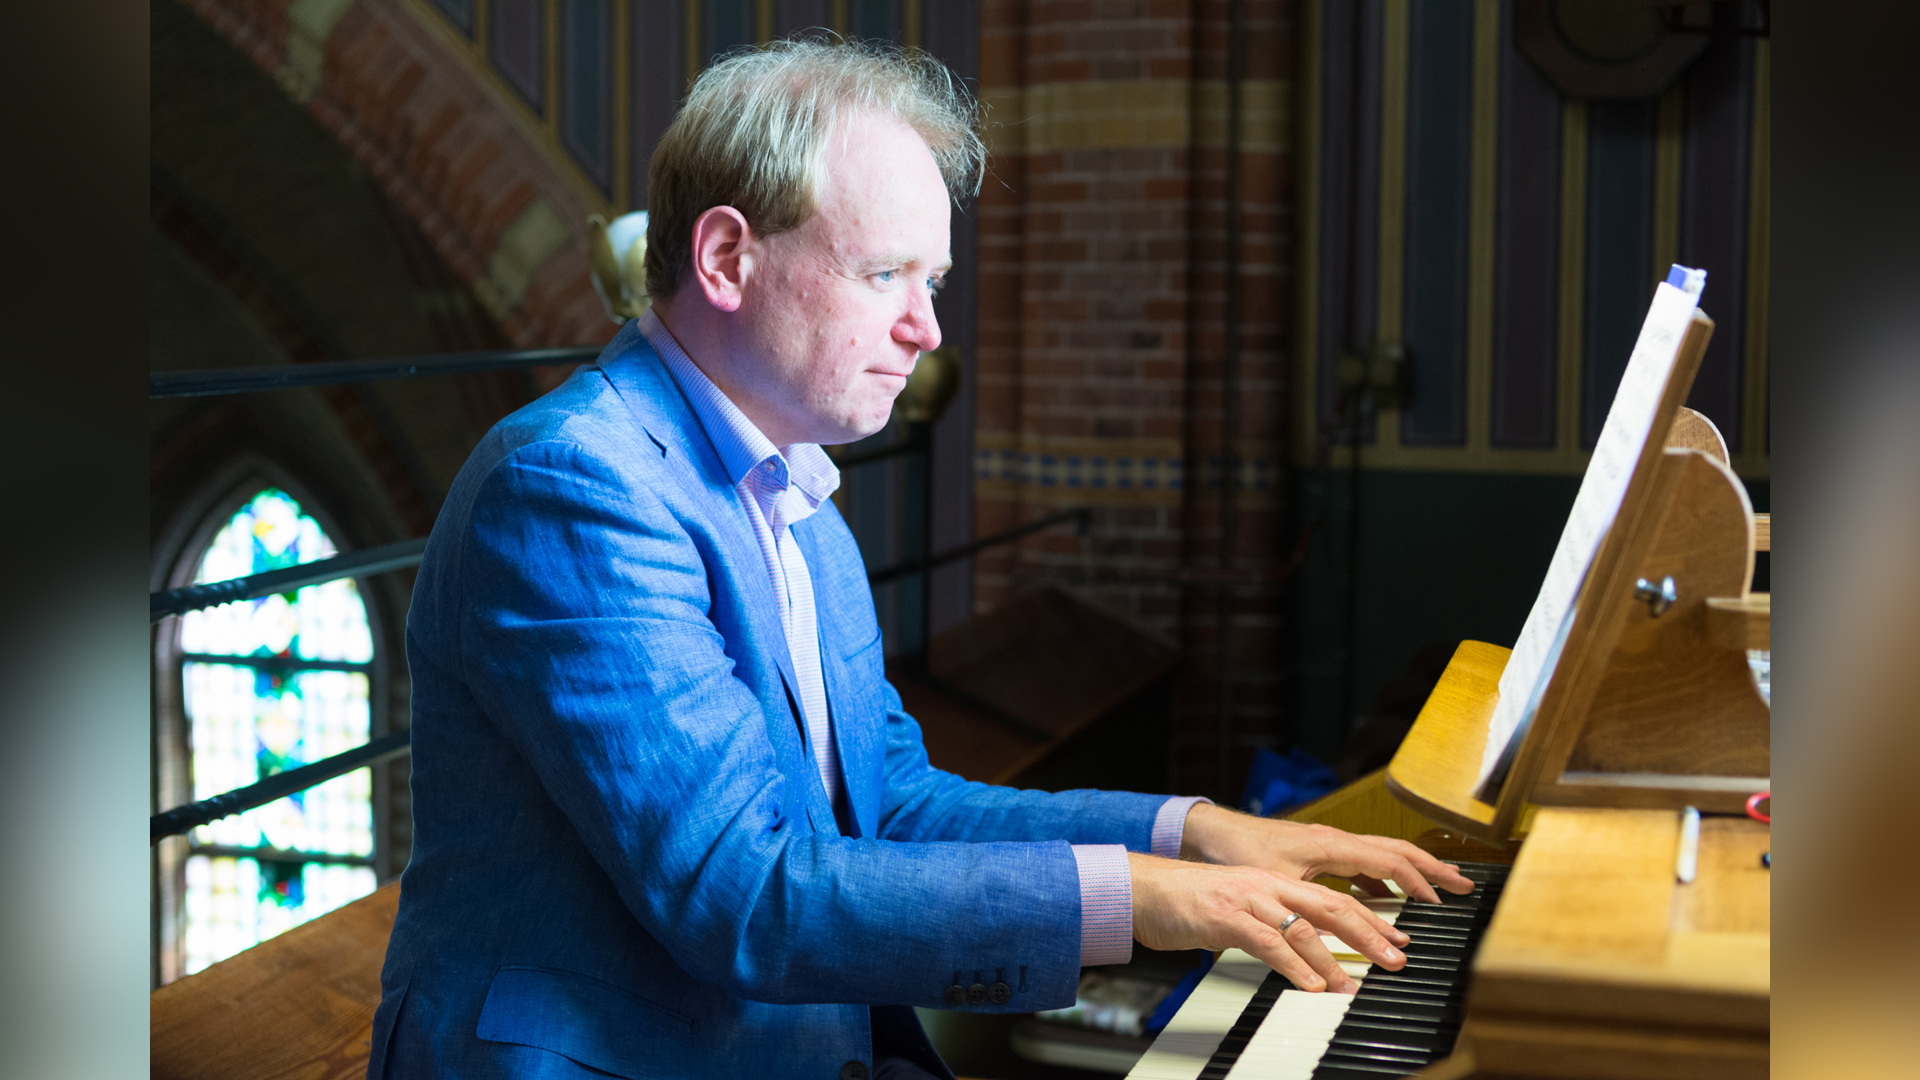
(505, 217)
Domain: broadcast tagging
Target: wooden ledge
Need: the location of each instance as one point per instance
(1741, 622)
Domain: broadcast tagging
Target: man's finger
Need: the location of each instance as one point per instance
(1273, 949)
(1402, 870)
(1367, 933)
(1444, 874)
(1305, 939)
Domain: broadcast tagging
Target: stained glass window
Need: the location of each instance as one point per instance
(269, 685)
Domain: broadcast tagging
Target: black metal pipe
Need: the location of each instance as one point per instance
(277, 663)
(914, 566)
(376, 560)
(209, 381)
(278, 786)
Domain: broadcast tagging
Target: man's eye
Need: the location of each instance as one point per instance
(935, 284)
(885, 276)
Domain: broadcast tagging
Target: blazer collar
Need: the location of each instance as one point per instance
(637, 374)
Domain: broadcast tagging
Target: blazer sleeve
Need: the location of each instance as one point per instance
(585, 635)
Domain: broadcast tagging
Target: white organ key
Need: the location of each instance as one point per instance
(1293, 1038)
(1194, 1033)
(1190, 1039)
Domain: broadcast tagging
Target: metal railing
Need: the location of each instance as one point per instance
(366, 563)
(406, 553)
(211, 381)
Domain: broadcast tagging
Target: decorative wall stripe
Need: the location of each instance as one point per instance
(1118, 471)
(1482, 188)
(1389, 312)
(1573, 274)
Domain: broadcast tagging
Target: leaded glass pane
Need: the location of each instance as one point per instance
(246, 723)
(249, 724)
(320, 622)
(233, 903)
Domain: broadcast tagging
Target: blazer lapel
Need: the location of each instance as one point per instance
(663, 412)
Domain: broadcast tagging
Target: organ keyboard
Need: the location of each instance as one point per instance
(1245, 1020)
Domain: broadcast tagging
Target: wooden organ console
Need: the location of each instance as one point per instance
(1580, 953)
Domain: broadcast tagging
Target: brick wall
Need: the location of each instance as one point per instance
(1108, 376)
(497, 208)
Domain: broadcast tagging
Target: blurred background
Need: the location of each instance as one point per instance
(1311, 307)
(1291, 324)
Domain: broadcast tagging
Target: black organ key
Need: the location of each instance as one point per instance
(1433, 1042)
(1403, 1020)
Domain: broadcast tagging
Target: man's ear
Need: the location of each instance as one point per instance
(721, 257)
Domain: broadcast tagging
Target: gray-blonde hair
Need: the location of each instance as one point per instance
(753, 135)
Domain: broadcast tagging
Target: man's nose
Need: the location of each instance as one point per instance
(918, 326)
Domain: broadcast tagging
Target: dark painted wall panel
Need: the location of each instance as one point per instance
(586, 86)
(724, 25)
(517, 46)
(1439, 160)
(875, 19)
(1348, 262)
(1527, 254)
(791, 16)
(1619, 261)
(1442, 557)
(1713, 219)
(655, 82)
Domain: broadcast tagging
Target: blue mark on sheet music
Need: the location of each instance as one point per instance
(1687, 279)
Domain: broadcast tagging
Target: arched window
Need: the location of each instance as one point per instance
(267, 685)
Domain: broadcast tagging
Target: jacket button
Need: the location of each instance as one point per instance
(956, 995)
(977, 994)
(854, 1070)
(999, 993)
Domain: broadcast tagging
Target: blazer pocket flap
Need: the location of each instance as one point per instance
(594, 1023)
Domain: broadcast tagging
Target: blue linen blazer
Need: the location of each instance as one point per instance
(623, 856)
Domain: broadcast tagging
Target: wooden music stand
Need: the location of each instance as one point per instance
(1652, 702)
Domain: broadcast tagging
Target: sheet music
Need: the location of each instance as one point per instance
(1629, 422)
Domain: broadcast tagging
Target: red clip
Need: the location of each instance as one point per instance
(1753, 806)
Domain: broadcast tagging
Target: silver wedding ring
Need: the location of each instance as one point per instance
(1289, 921)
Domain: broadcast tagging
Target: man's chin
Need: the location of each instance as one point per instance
(853, 430)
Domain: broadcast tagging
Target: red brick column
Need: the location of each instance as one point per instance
(1103, 336)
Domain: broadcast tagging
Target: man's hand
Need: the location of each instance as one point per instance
(1186, 905)
(1303, 852)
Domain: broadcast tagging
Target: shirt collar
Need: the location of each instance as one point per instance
(741, 445)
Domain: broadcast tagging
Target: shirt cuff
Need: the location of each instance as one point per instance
(1106, 904)
(1170, 824)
